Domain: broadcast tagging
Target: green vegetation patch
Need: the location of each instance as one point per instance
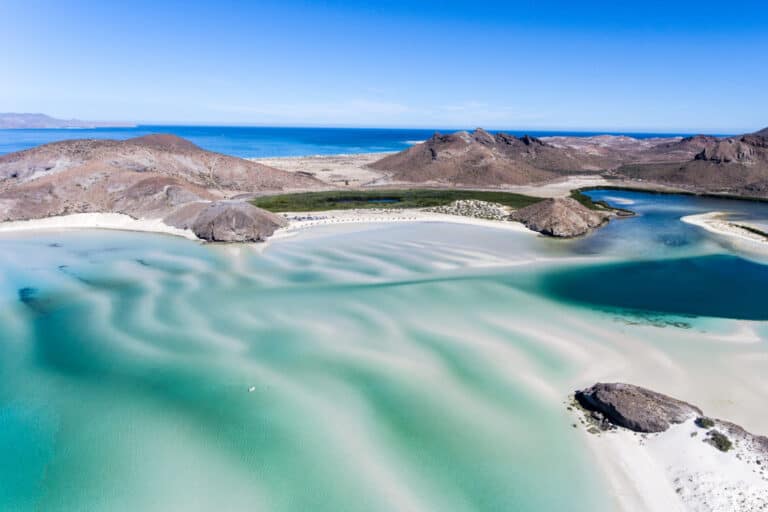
(587, 201)
(355, 199)
(719, 440)
(704, 422)
(753, 230)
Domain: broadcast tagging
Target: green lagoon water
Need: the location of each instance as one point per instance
(388, 367)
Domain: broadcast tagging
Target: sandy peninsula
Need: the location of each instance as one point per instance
(718, 223)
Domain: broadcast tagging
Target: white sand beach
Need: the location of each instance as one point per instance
(300, 221)
(116, 221)
(297, 222)
(677, 471)
(718, 223)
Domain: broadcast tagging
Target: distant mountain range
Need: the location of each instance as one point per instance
(11, 120)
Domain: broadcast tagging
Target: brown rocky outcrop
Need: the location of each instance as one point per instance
(235, 221)
(635, 408)
(729, 150)
(559, 217)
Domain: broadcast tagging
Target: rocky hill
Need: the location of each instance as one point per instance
(734, 165)
(560, 217)
(482, 159)
(615, 150)
(157, 176)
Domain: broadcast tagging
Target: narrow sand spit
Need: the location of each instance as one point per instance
(116, 221)
(677, 471)
(718, 223)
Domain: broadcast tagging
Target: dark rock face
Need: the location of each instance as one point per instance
(635, 408)
(235, 222)
(560, 217)
(728, 151)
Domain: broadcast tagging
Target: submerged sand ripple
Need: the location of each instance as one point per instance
(402, 368)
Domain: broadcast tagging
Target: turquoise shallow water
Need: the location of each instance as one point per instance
(395, 367)
(128, 359)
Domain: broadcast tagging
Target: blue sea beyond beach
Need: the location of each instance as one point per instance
(264, 142)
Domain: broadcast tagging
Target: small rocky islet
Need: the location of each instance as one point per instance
(620, 405)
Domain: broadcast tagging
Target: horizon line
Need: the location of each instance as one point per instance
(606, 131)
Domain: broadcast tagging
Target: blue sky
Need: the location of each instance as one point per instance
(643, 66)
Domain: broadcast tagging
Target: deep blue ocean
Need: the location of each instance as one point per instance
(262, 142)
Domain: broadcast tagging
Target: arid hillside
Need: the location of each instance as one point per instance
(160, 176)
(478, 159)
(483, 159)
(733, 165)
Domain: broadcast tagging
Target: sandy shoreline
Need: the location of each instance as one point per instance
(116, 221)
(297, 222)
(718, 223)
(301, 221)
(677, 471)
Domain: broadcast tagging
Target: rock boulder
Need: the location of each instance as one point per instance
(235, 221)
(560, 217)
(635, 408)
